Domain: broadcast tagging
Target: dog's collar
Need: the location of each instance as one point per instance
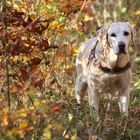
(115, 70)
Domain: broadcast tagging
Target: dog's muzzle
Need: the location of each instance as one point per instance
(120, 49)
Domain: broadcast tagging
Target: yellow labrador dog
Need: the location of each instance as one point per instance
(103, 65)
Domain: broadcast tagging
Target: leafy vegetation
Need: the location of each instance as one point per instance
(38, 45)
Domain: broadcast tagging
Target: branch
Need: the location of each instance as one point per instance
(81, 9)
(8, 82)
(7, 56)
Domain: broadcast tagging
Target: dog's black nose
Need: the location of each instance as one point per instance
(121, 46)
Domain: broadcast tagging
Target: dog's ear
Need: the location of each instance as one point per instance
(133, 34)
(102, 34)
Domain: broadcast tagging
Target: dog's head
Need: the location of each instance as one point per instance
(116, 37)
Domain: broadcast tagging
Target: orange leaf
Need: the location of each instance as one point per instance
(29, 128)
(16, 87)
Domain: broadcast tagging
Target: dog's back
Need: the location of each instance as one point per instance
(83, 55)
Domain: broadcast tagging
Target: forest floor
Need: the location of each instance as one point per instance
(56, 117)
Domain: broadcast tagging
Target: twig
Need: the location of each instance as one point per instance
(8, 85)
(32, 102)
(81, 9)
(59, 86)
(124, 129)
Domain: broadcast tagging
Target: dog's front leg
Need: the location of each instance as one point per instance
(93, 99)
(124, 96)
(80, 88)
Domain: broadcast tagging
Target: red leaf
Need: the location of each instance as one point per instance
(35, 61)
(37, 83)
(56, 107)
(44, 45)
(24, 75)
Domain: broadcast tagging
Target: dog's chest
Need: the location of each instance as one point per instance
(106, 82)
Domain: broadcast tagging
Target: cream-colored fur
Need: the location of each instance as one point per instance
(92, 79)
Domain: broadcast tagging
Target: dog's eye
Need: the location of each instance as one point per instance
(126, 33)
(113, 35)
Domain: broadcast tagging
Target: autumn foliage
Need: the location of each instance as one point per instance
(38, 45)
(29, 50)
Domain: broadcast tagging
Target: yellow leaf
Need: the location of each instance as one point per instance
(70, 116)
(15, 58)
(5, 110)
(32, 15)
(74, 137)
(75, 52)
(47, 133)
(53, 25)
(23, 124)
(137, 12)
(5, 120)
(23, 114)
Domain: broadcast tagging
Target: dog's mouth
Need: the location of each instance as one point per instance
(119, 51)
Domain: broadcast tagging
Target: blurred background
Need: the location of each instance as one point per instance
(39, 40)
